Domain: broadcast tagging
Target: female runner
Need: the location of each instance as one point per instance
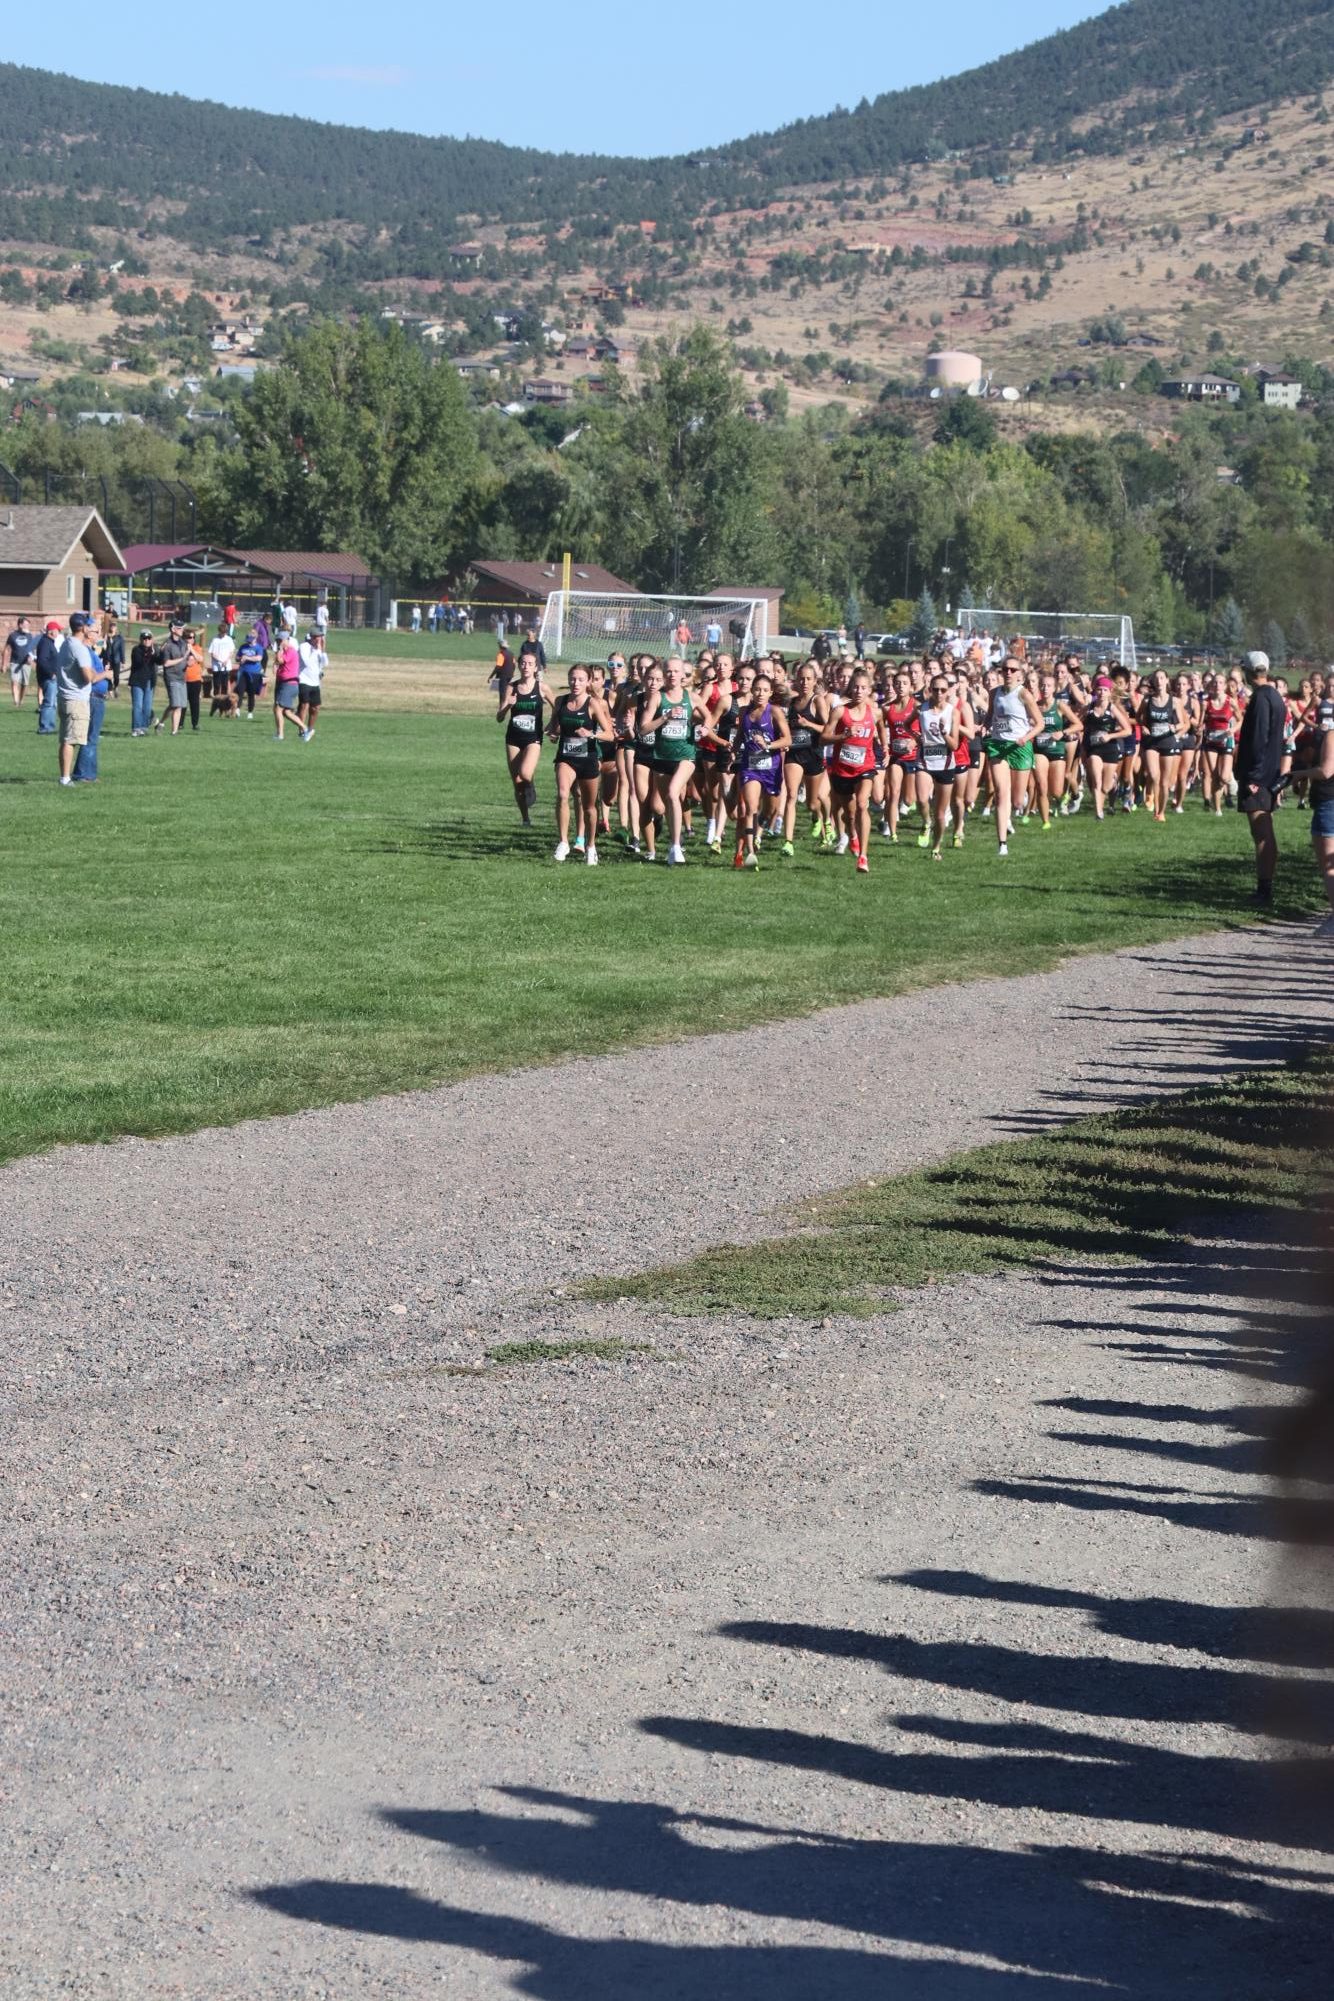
(1218, 742)
(580, 725)
(1185, 692)
(1060, 722)
(674, 713)
(939, 727)
(906, 774)
(522, 709)
(762, 738)
(1163, 720)
(713, 766)
(804, 762)
(1106, 725)
(1013, 721)
(855, 731)
(645, 742)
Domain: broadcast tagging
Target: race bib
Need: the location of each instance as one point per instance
(574, 746)
(852, 755)
(525, 722)
(675, 731)
(904, 746)
(800, 739)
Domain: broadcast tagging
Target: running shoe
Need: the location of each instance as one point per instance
(958, 841)
(1065, 809)
(986, 812)
(924, 840)
(1045, 827)
(788, 848)
(884, 828)
(715, 847)
(676, 855)
(936, 855)
(842, 847)
(855, 845)
(306, 735)
(738, 859)
(863, 866)
(752, 861)
(829, 841)
(1076, 803)
(1002, 850)
(562, 853)
(817, 832)
(578, 844)
(1024, 819)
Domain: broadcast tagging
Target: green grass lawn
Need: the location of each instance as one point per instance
(227, 926)
(1107, 1188)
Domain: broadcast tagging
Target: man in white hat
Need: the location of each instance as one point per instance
(1256, 769)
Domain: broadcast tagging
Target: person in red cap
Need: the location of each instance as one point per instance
(47, 662)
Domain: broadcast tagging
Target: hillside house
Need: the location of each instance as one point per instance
(50, 558)
(1201, 389)
(1279, 391)
(543, 390)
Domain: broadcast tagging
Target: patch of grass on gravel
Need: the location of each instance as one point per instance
(382, 921)
(511, 1354)
(1110, 1188)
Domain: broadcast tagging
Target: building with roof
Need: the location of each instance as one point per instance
(527, 586)
(1279, 391)
(50, 560)
(1201, 389)
(168, 574)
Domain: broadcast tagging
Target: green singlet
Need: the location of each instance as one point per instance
(675, 729)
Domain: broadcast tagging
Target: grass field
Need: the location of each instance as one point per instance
(228, 926)
(1120, 1186)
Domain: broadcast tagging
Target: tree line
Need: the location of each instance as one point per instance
(358, 439)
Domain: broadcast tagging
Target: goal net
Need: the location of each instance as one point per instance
(1097, 635)
(587, 625)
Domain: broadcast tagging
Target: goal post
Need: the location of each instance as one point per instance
(587, 625)
(1101, 635)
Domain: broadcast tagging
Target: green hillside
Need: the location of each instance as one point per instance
(82, 154)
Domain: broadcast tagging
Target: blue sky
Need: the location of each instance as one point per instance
(594, 77)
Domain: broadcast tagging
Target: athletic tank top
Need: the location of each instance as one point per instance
(906, 731)
(1218, 720)
(1322, 789)
(525, 716)
(576, 749)
(757, 751)
(854, 752)
(805, 726)
(1009, 716)
(676, 729)
(1162, 718)
(1102, 726)
(935, 724)
(1051, 735)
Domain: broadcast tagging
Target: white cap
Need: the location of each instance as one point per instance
(1258, 662)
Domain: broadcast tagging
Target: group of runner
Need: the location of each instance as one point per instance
(654, 744)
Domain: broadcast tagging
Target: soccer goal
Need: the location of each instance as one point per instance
(1098, 635)
(588, 625)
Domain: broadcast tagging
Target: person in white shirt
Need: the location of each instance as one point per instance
(322, 618)
(289, 618)
(713, 634)
(221, 667)
(310, 692)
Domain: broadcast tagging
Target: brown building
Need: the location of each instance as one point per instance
(528, 585)
(49, 560)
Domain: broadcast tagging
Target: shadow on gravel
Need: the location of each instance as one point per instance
(1098, 1923)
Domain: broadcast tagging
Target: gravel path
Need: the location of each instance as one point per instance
(897, 1657)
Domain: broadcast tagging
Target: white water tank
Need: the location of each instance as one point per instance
(953, 369)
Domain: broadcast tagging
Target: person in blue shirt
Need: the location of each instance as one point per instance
(85, 763)
(250, 671)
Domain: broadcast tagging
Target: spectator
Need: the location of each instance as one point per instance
(713, 633)
(20, 652)
(74, 679)
(113, 654)
(435, 618)
(503, 671)
(194, 676)
(286, 685)
(221, 663)
(322, 617)
(47, 664)
(228, 618)
(313, 661)
(859, 641)
(500, 628)
(1256, 767)
(533, 648)
(175, 653)
(85, 764)
(250, 671)
(289, 619)
(416, 619)
(143, 680)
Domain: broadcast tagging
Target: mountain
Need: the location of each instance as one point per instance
(81, 155)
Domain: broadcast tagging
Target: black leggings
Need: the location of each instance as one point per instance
(192, 689)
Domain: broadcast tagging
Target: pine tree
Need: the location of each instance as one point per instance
(1275, 643)
(925, 619)
(1228, 631)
